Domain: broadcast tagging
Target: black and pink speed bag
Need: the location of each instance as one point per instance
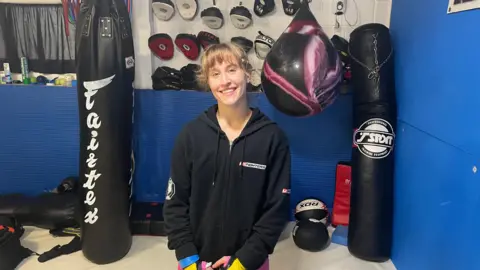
(302, 71)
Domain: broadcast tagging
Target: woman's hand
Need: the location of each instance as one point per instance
(232, 265)
(224, 260)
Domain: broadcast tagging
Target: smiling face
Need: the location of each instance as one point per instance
(228, 83)
(225, 71)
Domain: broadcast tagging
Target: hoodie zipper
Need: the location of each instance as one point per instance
(225, 204)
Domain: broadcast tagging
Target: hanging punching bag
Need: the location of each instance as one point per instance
(105, 73)
(375, 115)
(302, 71)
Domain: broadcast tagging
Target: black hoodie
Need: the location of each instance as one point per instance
(228, 199)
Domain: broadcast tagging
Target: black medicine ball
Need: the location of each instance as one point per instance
(310, 236)
(311, 208)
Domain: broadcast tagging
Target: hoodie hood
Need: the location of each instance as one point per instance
(257, 121)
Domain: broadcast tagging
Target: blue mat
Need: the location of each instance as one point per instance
(340, 235)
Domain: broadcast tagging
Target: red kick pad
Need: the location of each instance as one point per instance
(341, 203)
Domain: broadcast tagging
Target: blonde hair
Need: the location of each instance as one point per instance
(217, 53)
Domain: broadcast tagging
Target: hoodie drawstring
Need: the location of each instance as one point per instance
(215, 162)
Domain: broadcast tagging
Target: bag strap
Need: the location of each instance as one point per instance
(74, 246)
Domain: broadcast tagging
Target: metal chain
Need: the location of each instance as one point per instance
(375, 71)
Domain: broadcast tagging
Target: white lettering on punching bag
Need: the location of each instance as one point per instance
(93, 123)
(375, 138)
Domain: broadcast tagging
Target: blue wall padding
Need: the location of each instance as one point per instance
(437, 200)
(40, 145)
(340, 235)
(39, 140)
(437, 74)
(317, 143)
(437, 192)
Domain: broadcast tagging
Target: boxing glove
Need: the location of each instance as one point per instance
(69, 184)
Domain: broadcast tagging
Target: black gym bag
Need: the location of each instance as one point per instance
(12, 253)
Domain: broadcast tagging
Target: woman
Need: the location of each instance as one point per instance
(228, 194)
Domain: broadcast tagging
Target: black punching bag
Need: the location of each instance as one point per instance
(105, 74)
(302, 71)
(375, 114)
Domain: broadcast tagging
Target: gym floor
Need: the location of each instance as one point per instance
(150, 252)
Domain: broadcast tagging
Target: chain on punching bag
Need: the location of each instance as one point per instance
(375, 116)
(105, 74)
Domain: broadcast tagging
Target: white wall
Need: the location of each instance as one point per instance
(145, 24)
